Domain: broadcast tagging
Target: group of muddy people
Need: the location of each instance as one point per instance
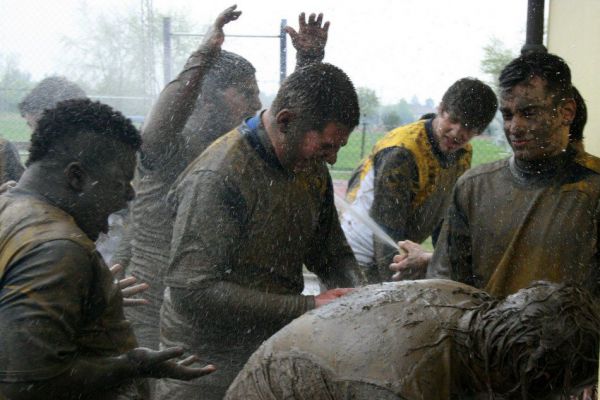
(225, 205)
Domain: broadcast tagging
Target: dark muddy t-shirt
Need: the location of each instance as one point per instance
(58, 300)
(245, 226)
(506, 228)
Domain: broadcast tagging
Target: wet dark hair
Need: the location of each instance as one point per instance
(319, 94)
(578, 124)
(551, 68)
(543, 338)
(471, 102)
(71, 118)
(228, 70)
(48, 93)
(427, 116)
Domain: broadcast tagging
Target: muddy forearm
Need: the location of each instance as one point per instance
(175, 104)
(383, 256)
(255, 307)
(304, 58)
(85, 376)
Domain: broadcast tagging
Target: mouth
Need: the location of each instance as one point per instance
(451, 144)
(519, 142)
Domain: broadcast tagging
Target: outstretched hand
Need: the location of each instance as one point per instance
(311, 37)
(215, 36)
(129, 288)
(160, 364)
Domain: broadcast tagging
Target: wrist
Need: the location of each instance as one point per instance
(311, 302)
(128, 366)
(312, 54)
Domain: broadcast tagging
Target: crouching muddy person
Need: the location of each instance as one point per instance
(64, 335)
(251, 210)
(436, 339)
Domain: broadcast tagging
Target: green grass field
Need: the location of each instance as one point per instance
(14, 128)
(484, 151)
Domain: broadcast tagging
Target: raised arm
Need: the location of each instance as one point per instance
(310, 39)
(177, 100)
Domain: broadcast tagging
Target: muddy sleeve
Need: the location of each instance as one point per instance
(251, 307)
(123, 252)
(11, 168)
(43, 302)
(161, 132)
(452, 258)
(304, 58)
(208, 230)
(330, 256)
(395, 183)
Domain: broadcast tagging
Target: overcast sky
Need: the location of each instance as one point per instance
(399, 48)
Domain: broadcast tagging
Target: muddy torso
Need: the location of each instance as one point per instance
(388, 341)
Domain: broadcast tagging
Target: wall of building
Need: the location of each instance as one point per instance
(574, 34)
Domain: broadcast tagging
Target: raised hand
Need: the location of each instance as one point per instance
(311, 37)
(160, 364)
(215, 36)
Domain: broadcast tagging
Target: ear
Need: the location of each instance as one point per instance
(439, 109)
(283, 119)
(567, 111)
(75, 176)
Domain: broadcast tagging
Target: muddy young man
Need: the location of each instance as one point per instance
(437, 340)
(44, 95)
(251, 210)
(64, 335)
(413, 261)
(534, 215)
(405, 183)
(214, 93)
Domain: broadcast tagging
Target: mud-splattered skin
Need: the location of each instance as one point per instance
(436, 339)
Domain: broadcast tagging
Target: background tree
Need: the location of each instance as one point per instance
(369, 104)
(14, 83)
(495, 57)
(390, 119)
(116, 55)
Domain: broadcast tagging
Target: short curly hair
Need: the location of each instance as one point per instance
(71, 118)
(49, 92)
(471, 102)
(320, 93)
(550, 67)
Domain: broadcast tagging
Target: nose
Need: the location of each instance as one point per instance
(256, 103)
(516, 125)
(460, 135)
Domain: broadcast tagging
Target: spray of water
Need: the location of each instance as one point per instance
(364, 219)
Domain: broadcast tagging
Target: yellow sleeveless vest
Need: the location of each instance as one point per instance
(412, 137)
